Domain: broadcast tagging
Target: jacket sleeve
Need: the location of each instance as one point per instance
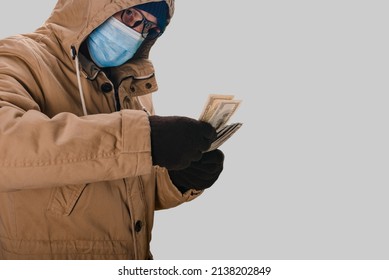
(168, 195)
(37, 151)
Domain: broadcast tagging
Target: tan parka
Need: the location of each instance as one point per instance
(75, 186)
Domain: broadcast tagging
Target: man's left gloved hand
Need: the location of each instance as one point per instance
(200, 174)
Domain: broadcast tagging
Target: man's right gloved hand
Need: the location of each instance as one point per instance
(177, 141)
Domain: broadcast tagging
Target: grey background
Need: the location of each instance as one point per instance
(307, 175)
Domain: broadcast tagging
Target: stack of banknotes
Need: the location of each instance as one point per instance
(217, 111)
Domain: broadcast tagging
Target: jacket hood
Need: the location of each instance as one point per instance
(73, 20)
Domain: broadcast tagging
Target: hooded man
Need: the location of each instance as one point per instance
(84, 162)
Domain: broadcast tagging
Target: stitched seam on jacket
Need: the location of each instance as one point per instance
(27, 163)
(65, 161)
(63, 240)
(100, 249)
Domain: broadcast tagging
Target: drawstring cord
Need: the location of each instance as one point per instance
(143, 107)
(77, 64)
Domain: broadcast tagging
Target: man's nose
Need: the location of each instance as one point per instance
(138, 28)
(138, 22)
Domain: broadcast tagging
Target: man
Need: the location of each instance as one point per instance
(84, 162)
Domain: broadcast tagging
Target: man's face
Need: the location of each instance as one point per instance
(137, 19)
(112, 44)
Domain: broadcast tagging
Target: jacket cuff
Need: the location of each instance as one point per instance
(136, 141)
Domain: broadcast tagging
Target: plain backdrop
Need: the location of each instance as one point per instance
(307, 175)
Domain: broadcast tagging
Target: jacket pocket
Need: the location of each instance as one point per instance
(64, 199)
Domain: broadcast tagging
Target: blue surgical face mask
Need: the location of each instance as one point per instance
(113, 43)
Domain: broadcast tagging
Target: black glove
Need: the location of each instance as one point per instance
(177, 141)
(200, 174)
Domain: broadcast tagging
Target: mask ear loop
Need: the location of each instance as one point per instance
(77, 64)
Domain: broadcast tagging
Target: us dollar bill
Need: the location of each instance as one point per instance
(223, 113)
(224, 134)
(212, 104)
(217, 111)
